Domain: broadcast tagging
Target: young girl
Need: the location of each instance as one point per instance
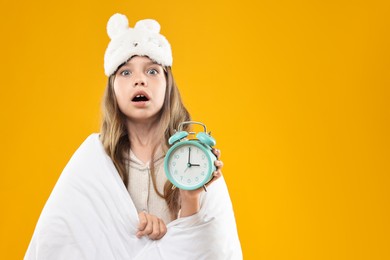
(90, 214)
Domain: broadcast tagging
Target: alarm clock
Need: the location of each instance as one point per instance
(189, 163)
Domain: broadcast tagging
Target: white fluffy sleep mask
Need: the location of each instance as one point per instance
(142, 40)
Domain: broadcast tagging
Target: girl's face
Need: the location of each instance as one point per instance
(139, 88)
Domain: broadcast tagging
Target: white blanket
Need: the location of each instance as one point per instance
(90, 215)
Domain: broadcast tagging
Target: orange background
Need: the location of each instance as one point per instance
(296, 94)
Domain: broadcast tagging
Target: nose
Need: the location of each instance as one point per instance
(140, 81)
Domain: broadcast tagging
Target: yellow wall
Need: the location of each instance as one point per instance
(295, 92)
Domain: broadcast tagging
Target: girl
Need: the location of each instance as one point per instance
(89, 216)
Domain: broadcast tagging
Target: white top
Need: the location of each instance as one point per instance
(140, 186)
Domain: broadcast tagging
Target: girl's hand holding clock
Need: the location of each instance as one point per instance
(190, 198)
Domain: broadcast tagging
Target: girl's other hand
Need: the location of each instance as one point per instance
(150, 226)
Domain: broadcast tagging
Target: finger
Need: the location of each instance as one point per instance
(156, 229)
(163, 229)
(218, 164)
(142, 220)
(216, 175)
(148, 227)
(217, 152)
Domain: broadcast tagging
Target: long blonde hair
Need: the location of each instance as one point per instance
(116, 142)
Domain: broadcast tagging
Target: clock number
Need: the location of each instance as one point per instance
(196, 178)
(177, 156)
(202, 173)
(188, 180)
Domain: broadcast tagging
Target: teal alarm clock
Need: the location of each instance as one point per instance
(189, 163)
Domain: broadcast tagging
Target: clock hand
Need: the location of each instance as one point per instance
(190, 165)
(189, 157)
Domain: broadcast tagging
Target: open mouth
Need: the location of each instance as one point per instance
(140, 98)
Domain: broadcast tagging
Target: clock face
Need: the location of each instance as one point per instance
(189, 166)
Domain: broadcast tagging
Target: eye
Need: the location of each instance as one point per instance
(125, 73)
(152, 71)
